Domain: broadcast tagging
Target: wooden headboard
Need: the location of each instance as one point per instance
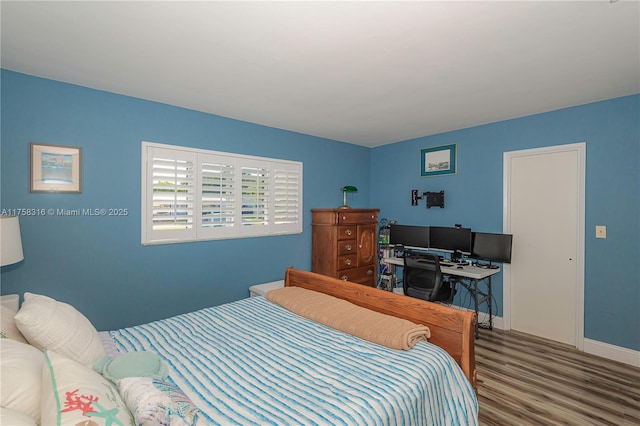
(451, 329)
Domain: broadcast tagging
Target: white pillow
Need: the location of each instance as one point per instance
(73, 394)
(21, 372)
(15, 418)
(48, 324)
(8, 327)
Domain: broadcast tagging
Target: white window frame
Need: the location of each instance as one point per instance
(272, 204)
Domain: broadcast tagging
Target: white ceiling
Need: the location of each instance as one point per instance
(365, 72)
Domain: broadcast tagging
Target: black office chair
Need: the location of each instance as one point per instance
(423, 279)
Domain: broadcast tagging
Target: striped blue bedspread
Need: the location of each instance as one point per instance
(252, 362)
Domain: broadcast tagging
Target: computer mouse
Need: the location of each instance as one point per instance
(459, 267)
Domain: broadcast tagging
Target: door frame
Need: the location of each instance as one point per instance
(581, 149)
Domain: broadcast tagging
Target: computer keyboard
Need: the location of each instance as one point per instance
(447, 262)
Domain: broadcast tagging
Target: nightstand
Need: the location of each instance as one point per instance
(262, 289)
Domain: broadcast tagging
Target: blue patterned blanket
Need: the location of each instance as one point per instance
(252, 362)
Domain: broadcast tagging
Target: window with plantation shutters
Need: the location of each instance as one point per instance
(193, 194)
(217, 194)
(255, 196)
(286, 199)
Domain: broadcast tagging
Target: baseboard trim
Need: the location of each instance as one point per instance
(612, 352)
(593, 347)
(483, 318)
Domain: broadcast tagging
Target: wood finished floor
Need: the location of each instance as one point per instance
(525, 380)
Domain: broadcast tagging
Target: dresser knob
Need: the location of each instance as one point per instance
(370, 272)
(343, 278)
(347, 262)
(348, 232)
(348, 247)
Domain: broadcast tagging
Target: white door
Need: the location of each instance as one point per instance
(544, 210)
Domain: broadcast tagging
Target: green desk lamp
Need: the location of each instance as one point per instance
(346, 189)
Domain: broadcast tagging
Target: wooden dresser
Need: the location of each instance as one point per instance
(345, 244)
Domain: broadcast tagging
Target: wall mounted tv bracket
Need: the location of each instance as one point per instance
(434, 199)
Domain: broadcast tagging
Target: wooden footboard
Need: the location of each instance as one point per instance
(451, 329)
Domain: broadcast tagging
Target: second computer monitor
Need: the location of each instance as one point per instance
(450, 240)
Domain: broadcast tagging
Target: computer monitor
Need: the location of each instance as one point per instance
(492, 247)
(450, 240)
(410, 236)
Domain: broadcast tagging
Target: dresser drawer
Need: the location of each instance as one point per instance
(347, 247)
(364, 275)
(357, 217)
(347, 232)
(347, 261)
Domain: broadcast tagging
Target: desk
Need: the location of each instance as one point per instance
(469, 277)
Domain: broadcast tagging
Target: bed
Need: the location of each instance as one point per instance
(254, 362)
(451, 329)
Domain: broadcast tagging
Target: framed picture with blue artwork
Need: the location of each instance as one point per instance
(439, 160)
(55, 168)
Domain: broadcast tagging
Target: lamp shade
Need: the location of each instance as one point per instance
(10, 240)
(344, 190)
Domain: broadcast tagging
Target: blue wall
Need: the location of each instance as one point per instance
(473, 197)
(97, 263)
